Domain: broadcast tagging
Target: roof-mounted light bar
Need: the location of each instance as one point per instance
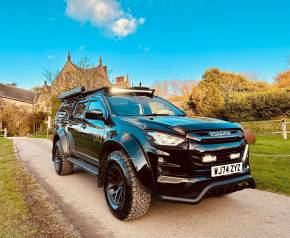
(134, 90)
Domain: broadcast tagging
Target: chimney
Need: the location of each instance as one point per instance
(12, 84)
(120, 80)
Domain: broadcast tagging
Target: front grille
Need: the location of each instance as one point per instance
(219, 140)
(206, 132)
(201, 143)
(204, 137)
(223, 156)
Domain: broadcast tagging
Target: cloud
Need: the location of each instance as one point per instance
(144, 47)
(105, 14)
(50, 56)
(82, 47)
(141, 20)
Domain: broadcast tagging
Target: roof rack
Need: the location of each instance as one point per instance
(103, 89)
(107, 90)
(73, 93)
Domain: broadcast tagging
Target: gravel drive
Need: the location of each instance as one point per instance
(248, 213)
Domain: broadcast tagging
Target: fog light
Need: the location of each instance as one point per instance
(208, 158)
(235, 156)
(161, 160)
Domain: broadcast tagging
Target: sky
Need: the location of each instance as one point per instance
(151, 40)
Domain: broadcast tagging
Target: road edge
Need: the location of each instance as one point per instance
(73, 217)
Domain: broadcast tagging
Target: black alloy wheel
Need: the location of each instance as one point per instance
(125, 195)
(115, 187)
(61, 164)
(57, 160)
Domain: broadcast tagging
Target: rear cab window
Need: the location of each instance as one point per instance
(80, 109)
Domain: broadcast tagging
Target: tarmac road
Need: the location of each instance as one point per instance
(248, 213)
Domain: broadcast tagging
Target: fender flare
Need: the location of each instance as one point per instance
(133, 149)
(61, 135)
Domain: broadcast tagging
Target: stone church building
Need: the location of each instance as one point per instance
(70, 76)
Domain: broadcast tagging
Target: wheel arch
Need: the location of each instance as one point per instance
(61, 136)
(134, 151)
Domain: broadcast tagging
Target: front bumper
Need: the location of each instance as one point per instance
(215, 188)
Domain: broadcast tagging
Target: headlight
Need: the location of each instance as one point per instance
(165, 139)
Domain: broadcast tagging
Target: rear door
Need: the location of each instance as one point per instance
(76, 128)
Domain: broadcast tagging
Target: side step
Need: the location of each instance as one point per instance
(86, 166)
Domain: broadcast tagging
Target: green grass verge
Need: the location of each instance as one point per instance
(13, 213)
(272, 173)
(25, 208)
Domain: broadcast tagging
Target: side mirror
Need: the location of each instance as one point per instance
(94, 115)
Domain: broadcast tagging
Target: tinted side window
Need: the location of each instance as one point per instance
(80, 109)
(65, 108)
(96, 105)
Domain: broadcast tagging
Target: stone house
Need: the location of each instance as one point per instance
(11, 95)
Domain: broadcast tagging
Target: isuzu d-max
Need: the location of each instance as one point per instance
(138, 144)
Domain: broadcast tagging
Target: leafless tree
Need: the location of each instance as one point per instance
(173, 88)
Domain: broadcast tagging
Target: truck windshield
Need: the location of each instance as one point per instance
(142, 106)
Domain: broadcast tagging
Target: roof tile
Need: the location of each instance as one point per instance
(18, 94)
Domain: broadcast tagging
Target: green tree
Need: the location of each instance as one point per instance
(218, 88)
(282, 80)
(207, 101)
(224, 82)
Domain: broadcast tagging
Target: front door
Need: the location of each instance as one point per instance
(95, 130)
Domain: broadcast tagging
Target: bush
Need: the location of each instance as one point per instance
(257, 106)
(238, 108)
(20, 121)
(17, 120)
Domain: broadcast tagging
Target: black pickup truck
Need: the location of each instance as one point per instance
(138, 144)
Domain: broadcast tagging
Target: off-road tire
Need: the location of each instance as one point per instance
(65, 167)
(137, 197)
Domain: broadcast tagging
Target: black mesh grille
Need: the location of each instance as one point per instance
(219, 140)
(222, 156)
(204, 137)
(202, 143)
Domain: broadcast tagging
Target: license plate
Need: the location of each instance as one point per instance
(226, 169)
